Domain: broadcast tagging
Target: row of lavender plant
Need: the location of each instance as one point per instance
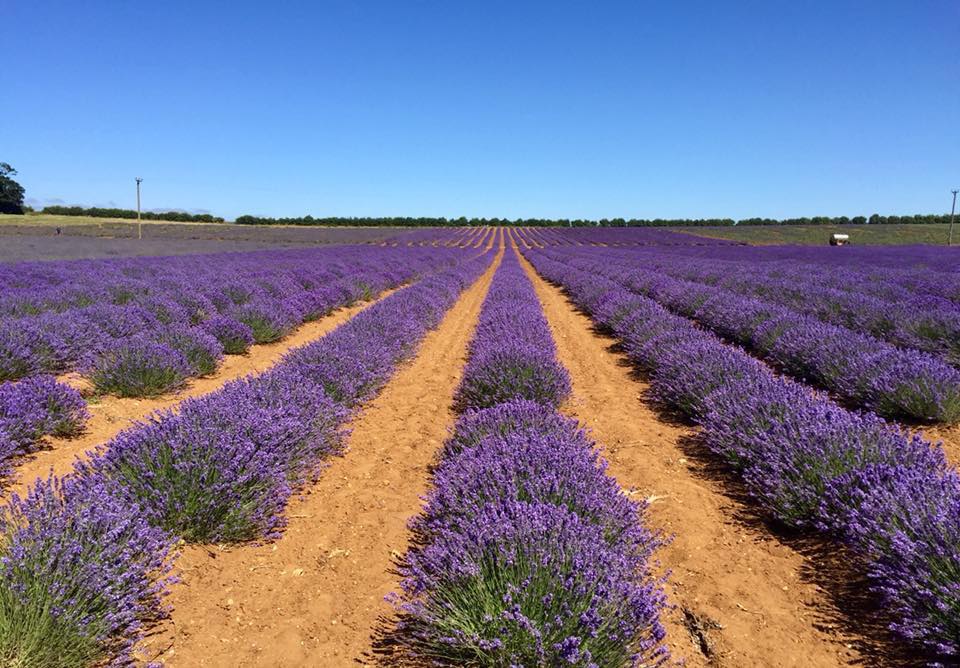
(34, 408)
(527, 552)
(852, 299)
(856, 368)
(84, 560)
(139, 327)
(889, 495)
(919, 269)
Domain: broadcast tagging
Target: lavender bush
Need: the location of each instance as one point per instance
(62, 316)
(80, 573)
(202, 351)
(530, 584)
(33, 408)
(518, 414)
(140, 367)
(234, 336)
(223, 467)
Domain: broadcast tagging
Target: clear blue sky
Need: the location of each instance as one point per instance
(514, 109)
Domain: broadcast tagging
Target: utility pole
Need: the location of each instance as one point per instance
(139, 224)
(953, 208)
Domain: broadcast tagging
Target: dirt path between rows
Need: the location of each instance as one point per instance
(948, 436)
(313, 598)
(110, 415)
(739, 592)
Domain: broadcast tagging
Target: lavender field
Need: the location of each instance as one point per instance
(498, 447)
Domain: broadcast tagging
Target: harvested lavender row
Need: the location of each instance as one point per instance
(853, 299)
(83, 559)
(527, 552)
(889, 495)
(34, 408)
(858, 369)
(141, 326)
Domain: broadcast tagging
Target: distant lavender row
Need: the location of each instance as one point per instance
(31, 409)
(858, 369)
(921, 268)
(512, 354)
(83, 559)
(889, 495)
(858, 300)
(140, 326)
(526, 552)
(627, 236)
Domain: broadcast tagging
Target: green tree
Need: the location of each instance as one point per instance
(11, 192)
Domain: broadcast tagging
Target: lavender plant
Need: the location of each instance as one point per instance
(32, 408)
(80, 574)
(140, 367)
(234, 336)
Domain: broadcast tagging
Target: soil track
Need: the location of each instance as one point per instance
(742, 596)
(110, 415)
(313, 598)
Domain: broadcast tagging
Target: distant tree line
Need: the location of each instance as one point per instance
(11, 192)
(98, 212)
(875, 219)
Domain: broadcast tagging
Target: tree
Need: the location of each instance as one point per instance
(11, 192)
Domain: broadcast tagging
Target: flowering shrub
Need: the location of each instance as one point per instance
(202, 351)
(512, 353)
(235, 337)
(62, 316)
(140, 367)
(80, 572)
(33, 408)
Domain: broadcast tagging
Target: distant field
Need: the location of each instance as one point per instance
(819, 235)
(34, 237)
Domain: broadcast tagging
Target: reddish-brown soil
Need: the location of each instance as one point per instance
(313, 598)
(110, 415)
(742, 596)
(949, 438)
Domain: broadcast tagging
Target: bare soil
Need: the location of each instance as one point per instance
(948, 436)
(315, 596)
(743, 592)
(110, 415)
